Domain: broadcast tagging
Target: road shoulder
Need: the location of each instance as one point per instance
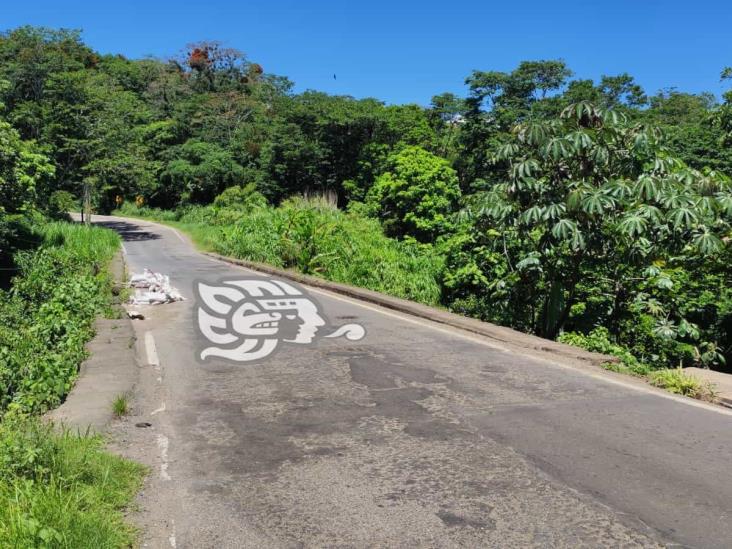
(110, 370)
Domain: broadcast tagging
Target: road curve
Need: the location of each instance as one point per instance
(415, 436)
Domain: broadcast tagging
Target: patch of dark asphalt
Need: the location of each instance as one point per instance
(262, 446)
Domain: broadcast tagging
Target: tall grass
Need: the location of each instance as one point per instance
(88, 244)
(59, 489)
(311, 235)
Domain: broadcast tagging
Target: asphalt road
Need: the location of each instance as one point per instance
(416, 436)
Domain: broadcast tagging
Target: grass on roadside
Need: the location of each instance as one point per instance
(59, 489)
(120, 406)
(676, 380)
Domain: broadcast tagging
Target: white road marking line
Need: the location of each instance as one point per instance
(158, 410)
(152, 354)
(124, 250)
(163, 446)
(171, 538)
(178, 235)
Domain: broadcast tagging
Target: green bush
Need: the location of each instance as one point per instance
(57, 489)
(60, 203)
(416, 195)
(598, 341)
(241, 197)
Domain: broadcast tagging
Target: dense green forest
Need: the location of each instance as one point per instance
(587, 211)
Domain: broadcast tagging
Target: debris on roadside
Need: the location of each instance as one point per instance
(135, 315)
(157, 289)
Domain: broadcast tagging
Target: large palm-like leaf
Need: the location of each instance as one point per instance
(580, 140)
(564, 228)
(617, 188)
(525, 168)
(706, 205)
(577, 241)
(665, 329)
(582, 111)
(649, 212)
(707, 243)
(532, 215)
(673, 198)
(575, 197)
(534, 133)
(611, 116)
(600, 155)
(633, 225)
(558, 148)
(724, 200)
(529, 263)
(509, 150)
(682, 218)
(554, 211)
(646, 187)
(666, 164)
(597, 203)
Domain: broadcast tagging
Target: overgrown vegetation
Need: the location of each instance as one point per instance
(57, 488)
(314, 237)
(47, 315)
(60, 489)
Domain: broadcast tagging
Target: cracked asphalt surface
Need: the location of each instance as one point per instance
(415, 436)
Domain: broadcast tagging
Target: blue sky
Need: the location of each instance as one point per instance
(408, 51)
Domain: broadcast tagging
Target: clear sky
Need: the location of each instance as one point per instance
(407, 51)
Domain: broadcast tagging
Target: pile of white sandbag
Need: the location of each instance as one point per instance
(153, 289)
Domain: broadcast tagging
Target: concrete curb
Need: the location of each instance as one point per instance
(505, 337)
(110, 371)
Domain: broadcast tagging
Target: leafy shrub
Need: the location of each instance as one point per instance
(415, 195)
(241, 197)
(60, 203)
(598, 341)
(591, 222)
